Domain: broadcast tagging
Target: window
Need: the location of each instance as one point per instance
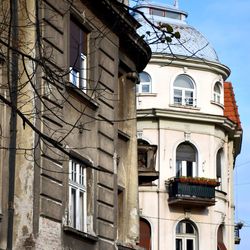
(217, 92)
(78, 56)
(220, 243)
(157, 12)
(184, 91)
(77, 196)
(219, 166)
(145, 83)
(186, 160)
(145, 234)
(186, 236)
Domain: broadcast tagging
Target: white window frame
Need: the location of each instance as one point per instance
(184, 237)
(139, 87)
(181, 167)
(184, 100)
(217, 96)
(77, 204)
(79, 78)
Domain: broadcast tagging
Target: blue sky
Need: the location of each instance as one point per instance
(225, 23)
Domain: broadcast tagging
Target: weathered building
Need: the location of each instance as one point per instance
(68, 169)
(189, 134)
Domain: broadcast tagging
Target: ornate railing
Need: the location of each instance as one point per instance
(200, 191)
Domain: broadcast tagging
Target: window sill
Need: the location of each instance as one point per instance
(217, 104)
(73, 231)
(184, 106)
(146, 94)
(83, 97)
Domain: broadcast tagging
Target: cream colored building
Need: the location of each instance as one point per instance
(189, 135)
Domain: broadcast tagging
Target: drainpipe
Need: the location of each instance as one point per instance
(158, 192)
(13, 64)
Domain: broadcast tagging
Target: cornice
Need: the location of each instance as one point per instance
(195, 63)
(119, 20)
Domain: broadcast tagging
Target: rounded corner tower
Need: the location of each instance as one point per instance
(185, 140)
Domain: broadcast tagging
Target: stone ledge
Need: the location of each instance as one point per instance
(84, 235)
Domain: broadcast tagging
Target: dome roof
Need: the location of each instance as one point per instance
(191, 43)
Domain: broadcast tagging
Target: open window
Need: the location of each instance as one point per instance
(186, 160)
(78, 55)
(184, 91)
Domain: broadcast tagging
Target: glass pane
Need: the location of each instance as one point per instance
(217, 88)
(73, 208)
(173, 15)
(145, 77)
(189, 97)
(178, 169)
(178, 96)
(145, 88)
(189, 228)
(81, 211)
(157, 12)
(190, 244)
(183, 81)
(189, 169)
(178, 244)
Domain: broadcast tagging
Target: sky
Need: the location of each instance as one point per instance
(225, 23)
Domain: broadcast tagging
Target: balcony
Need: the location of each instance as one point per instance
(189, 191)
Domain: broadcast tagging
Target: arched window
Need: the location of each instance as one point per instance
(220, 243)
(217, 92)
(186, 236)
(145, 234)
(184, 91)
(186, 160)
(145, 85)
(219, 166)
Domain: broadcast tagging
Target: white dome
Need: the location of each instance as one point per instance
(191, 43)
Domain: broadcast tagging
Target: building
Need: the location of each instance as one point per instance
(189, 134)
(68, 159)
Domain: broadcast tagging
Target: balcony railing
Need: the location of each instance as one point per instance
(192, 191)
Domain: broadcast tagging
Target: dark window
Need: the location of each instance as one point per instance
(78, 55)
(186, 164)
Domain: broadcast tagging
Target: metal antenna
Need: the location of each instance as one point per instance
(176, 4)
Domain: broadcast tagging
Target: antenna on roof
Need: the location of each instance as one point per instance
(176, 4)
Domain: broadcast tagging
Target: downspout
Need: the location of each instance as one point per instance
(13, 64)
(158, 192)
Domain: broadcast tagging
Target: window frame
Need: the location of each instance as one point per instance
(184, 167)
(218, 96)
(139, 87)
(192, 102)
(77, 182)
(184, 236)
(78, 66)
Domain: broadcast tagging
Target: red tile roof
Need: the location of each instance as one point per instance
(230, 107)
